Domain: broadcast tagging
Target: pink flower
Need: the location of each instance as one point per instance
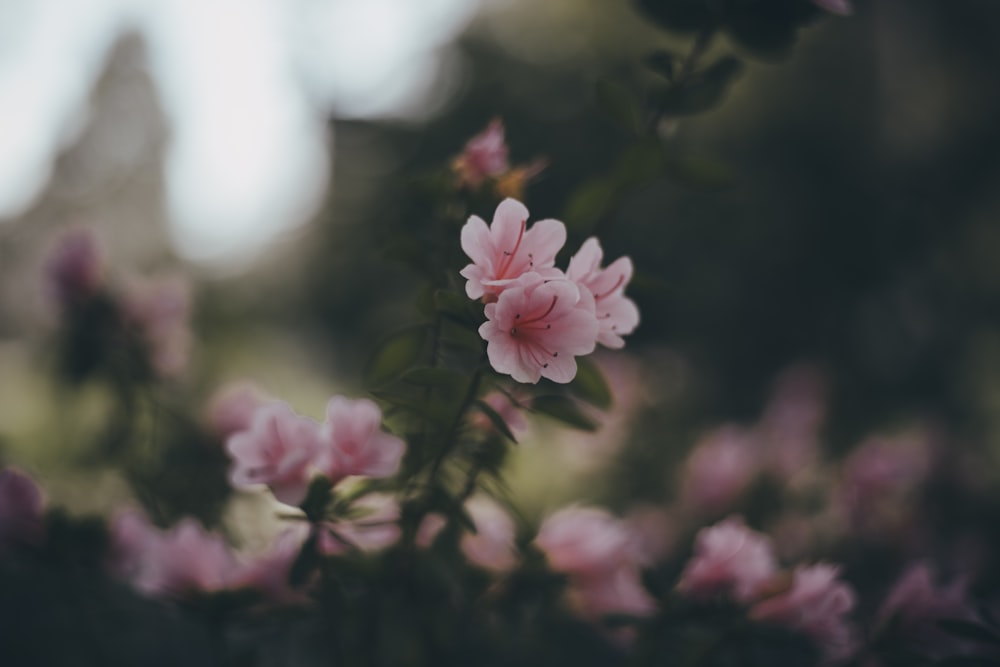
(182, 561)
(159, 311)
(616, 313)
(484, 156)
(537, 327)
(74, 267)
(278, 450)
(269, 572)
(492, 545)
(789, 429)
(842, 7)
(583, 541)
(21, 506)
(719, 470)
(429, 529)
(654, 531)
(617, 591)
(816, 605)
(354, 443)
(504, 251)
(375, 528)
(729, 559)
(231, 409)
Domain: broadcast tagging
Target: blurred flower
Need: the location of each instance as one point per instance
(278, 449)
(505, 250)
(788, 431)
(354, 443)
(537, 326)
(729, 559)
(597, 552)
(719, 469)
(654, 531)
(505, 406)
(231, 408)
(74, 266)
(816, 605)
(269, 572)
(177, 563)
(484, 156)
(430, 527)
(21, 506)
(492, 545)
(842, 7)
(159, 311)
(617, 315)
(374, 528)
(911, 611)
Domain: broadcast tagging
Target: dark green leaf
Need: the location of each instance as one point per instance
(395, 355)
(565, 410)
(305, 563)
(495, 419)
(620, 104)
(590, 385)
(702, 92)
(683, 15)
(664, 63)
(440, 378)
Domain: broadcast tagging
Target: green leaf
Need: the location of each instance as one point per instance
(663, 63)
(450, 303)
(395, 355)
(702, 91)
(590, 385)
(564, 409)
(495, 419)
(589, 204)
(619, 103)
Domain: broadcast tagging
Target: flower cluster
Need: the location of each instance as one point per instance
(285, 450)
(538, 317)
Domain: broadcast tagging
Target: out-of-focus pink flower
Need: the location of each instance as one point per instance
(729, 559)
(269, 572)
(817, 605)
(375, 528)
(537, 327)
(583, 540)
(278, 450)
(878, 482)
(354, 442)
(719, 470)
(598, 553)
(492, 545)
(842, 7)
(505, 407)
(789, 429)
(914, 606)
(21, 506)
(74, 266)
(177, 563)
(430, 527)
(484, 156)
(231, 409)
(617, 314)
(504, 251)
(159, 311)
(654, 531)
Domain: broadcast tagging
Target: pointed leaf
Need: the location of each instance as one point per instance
(395, 355)
(495, 418)
(590, 385)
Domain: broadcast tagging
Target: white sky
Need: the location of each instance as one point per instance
(246, 87)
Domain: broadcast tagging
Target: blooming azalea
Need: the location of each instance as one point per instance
(719, 469)
(231, 409)
(505, 250)
(729, 559)
(616, 313)
(537, 327)
(492, 545)
(484, 156)
(354, 443)
(278, 449)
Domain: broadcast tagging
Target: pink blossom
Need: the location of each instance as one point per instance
(719, 469)
(584, 541)
(159, 312)
(278, 450)
(231, 409)
(269, 572)
(537, 327)
(617, 591)
(430, 527)
(182, 561)
(504, 251)
(816, 605)
(354, 443)
(492, 545)
(842, 7)
(789, 429)
(729, 559)
(654, 531)
(74, 267)
(376, 526)
(484, 156)
(21, 506)
(616, 313)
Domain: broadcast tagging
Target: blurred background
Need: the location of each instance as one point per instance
(845, 221)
